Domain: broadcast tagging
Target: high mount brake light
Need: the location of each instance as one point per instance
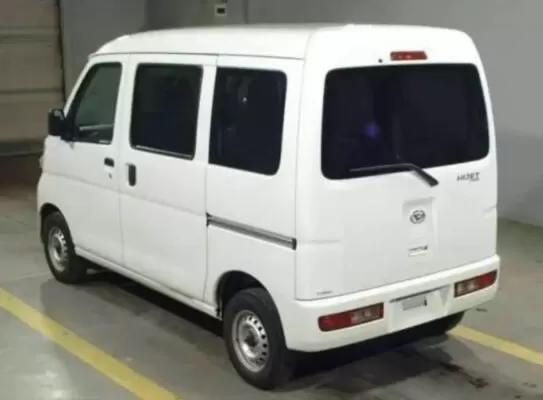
(408, 55)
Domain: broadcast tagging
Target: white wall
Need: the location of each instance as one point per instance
(87, 24)
(509, 35)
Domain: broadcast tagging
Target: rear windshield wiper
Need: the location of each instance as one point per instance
(425, 176)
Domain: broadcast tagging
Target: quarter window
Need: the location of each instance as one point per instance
(165, 109)
(247, 123)
(93, 112)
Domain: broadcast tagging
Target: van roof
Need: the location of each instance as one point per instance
(283, 41)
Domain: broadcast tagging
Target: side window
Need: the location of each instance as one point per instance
(92, 114)
(247, 122)
(165, 109)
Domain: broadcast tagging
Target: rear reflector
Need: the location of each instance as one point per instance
(474, 284)
(351, 318)
(408, 55)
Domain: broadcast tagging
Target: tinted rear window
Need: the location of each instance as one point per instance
(428, 115)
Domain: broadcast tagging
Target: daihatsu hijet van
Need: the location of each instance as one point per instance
(310, 186)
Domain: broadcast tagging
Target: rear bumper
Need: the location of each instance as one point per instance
(301, 320)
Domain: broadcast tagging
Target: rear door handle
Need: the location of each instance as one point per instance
(132, 175)
(110, 162)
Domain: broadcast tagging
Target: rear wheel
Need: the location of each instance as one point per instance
(255, 340)
(64, 264)
(444, 325)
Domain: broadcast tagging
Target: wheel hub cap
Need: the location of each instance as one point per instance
(250, 341)
(58, 249)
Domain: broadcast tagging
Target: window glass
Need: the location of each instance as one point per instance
(95, 104)
(165, 109)
(428, 115)
(247, 123)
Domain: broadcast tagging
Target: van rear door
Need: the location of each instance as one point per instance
(407, 185)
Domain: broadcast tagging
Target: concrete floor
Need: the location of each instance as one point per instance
(182, 351)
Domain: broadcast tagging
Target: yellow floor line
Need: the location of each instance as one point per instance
(500, 345)
(137, 384)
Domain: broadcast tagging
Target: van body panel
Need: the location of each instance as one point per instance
(150, 283)
(356, 234)
(163, 214)
(252, 215)
(76, 180)
(303, 334)
(265, 202)
(270, 264)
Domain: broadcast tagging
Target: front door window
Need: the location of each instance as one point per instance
(92, 115)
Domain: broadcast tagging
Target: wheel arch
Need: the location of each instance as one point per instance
(233, 282)
(45, 210)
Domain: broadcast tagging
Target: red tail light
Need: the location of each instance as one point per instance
(408, 55)
(351, 318)
(474, 284)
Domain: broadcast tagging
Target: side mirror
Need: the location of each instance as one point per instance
(57, 124)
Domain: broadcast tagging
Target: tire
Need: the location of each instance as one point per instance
(58, 246)
(444, 325)
(253, 311)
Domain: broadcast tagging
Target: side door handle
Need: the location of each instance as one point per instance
(132, 175)
(109, 162)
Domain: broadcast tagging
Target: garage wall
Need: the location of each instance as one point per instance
(508, 34)
(30, 72)
(87, 24)
(171, 13)
(179, 13)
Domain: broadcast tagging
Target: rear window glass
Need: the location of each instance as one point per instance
(428, 115)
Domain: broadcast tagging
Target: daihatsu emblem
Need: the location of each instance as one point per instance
(418, 217)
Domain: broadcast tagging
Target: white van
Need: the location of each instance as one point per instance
(310, 186)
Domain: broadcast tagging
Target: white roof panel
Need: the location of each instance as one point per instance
(285, 41)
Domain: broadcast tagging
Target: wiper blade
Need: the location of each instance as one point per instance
(425, 176)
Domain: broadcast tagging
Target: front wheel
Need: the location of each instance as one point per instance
(255, 340)
(64, 264)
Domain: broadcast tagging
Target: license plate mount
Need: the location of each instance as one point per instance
(414, 302)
